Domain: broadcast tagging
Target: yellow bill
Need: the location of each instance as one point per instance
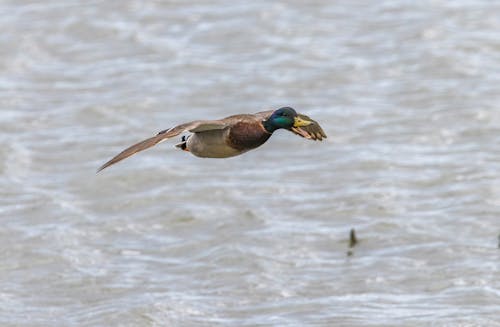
(299, 122)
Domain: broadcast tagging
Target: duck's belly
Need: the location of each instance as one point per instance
(211, 144)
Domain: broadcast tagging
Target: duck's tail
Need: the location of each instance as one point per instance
(183, 144)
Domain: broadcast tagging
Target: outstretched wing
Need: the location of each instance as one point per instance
(311, 132)
(194, 126)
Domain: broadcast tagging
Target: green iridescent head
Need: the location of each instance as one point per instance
(286, 118)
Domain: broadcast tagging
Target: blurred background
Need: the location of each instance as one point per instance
(407, 92)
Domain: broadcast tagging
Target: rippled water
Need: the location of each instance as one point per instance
(406, 90)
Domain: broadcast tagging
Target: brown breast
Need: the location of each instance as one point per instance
(247, 135)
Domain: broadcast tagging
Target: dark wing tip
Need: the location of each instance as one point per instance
(312, 132)
(134, 149)
(107, 164)
(114, 160)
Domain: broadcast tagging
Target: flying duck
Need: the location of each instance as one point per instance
(230, 136)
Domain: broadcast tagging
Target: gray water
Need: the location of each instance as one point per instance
(407, 91)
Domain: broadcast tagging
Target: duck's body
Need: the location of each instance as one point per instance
(243, 133)
(210, 144)
(230, 136)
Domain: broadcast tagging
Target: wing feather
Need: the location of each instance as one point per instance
(194, 126)
(312, 131)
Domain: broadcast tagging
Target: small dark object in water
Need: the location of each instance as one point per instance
(499, 241)
(352, 238)
(352, 242)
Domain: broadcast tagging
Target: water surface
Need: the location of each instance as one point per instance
(407, 92)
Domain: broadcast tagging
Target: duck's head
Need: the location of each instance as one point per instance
(286, 118)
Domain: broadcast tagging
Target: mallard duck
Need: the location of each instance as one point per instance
(230, 136)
